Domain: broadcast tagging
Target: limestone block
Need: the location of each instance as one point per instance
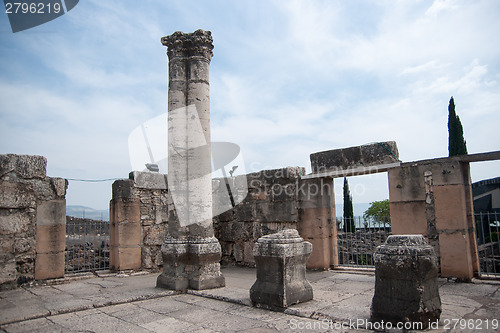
(127, 233)
(49, 265)
(6, 243)
(352, 157)
(451, 212)
(25, 166)
(406, 183)
(456, 257)
(154, 235)
(321, 255)
(408, 218)
(51, 213)
(8, 271)
(126, 210)
(447, 173)
(149, 180)
(44, 189)
(124, 188)
(16, 195)
(50, 238)
(60, 186)
(276, 211)
(31, 166)
(406, 286)
(280, 259)
(25, 245)
(314, 222)
(14, 222)
(124, 258)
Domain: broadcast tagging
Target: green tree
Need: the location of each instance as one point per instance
(349, 225)
(456, 141)
(378, 212)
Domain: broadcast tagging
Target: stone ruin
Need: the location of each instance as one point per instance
(281, 270)
(32, 221)
(151, 228)
(191, 253)
(406, 285)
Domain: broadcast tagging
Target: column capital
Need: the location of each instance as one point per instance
(181, 44)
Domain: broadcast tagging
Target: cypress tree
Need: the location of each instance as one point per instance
(456, 141)
(349, 225)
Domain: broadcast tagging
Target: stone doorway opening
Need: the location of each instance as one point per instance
(486, 202)
(358, 237)
(87, 245)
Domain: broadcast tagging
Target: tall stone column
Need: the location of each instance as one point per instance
(191, 253)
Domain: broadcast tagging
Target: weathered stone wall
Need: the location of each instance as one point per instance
(32, 221)
(277, 199)
(270, 206)
(433, 198)
(139, 221)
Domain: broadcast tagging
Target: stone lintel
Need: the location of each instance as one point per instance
(373, 154)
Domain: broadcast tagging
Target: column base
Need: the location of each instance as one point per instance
(191, 264)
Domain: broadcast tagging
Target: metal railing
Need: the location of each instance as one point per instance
(488, 243)
(357, 240)
(87, 245)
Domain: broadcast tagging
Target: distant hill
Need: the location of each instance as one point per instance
(87, 212)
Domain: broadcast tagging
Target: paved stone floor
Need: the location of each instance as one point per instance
(131, 303)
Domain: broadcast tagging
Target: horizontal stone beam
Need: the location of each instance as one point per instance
(369, 158)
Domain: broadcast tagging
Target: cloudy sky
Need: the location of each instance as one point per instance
(288, 78)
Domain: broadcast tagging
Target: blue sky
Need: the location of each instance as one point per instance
(288, 78)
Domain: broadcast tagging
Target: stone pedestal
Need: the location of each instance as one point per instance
(280, 259)
(406, 285)
(191, 264)
(191, 253)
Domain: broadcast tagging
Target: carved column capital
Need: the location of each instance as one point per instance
(182, 45)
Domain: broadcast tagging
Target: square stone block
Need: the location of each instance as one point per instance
(456, 256)
(126, 234)
(408, 218)
(314, 222)
(406, 183)
(49, 265)
(451, 211)
(126, 210)
(51, 212)
(321, 255)
(124, 258)
(50, 238)
(447, 173)
(16, 195)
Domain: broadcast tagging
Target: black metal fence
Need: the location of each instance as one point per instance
(357, 240)
(87, 245)
(488, 243)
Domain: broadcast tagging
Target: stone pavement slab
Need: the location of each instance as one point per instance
(133, 304)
